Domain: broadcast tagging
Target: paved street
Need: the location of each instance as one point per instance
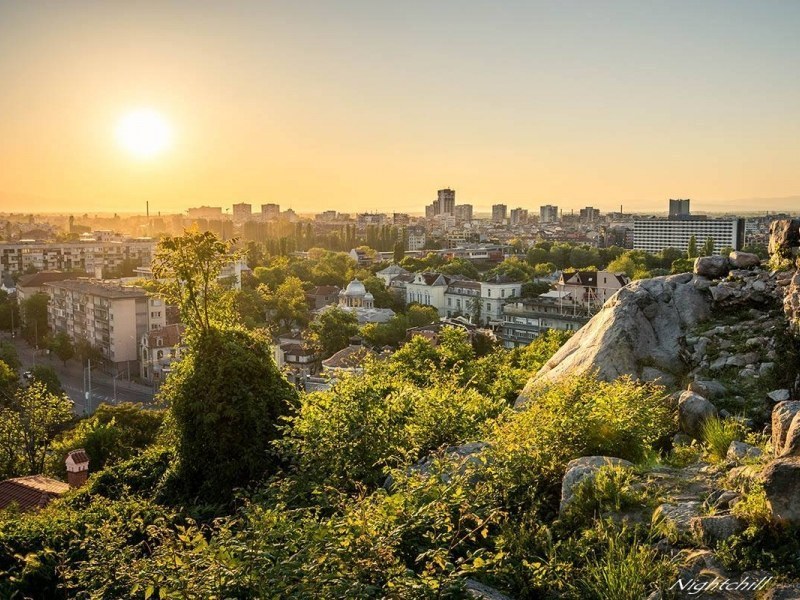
(73, 380)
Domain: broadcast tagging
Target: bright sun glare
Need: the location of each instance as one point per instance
(144, 133)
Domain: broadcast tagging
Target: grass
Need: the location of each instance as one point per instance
(718, 435)
(611, 489)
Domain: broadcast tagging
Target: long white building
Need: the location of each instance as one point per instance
(653, 235)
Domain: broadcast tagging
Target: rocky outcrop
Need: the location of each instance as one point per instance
(783, 416)
(712, 267)
(784, 237)
(713, 529)
(740, 451)
(640, 326)
(781, 481)
(743, 260)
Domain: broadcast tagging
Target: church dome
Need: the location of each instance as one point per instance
(355, 288)
(368, 296)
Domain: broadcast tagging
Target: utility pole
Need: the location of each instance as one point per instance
(89, 389)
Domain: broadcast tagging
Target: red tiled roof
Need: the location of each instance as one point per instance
(79, 456)
(33, 491)
(351, 357)
(170, 336)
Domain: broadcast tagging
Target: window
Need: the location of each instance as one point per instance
(489, 292)
(503, 293)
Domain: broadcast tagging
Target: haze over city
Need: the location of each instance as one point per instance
(359, 106)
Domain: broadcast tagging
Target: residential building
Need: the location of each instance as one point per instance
(400, 219)
(390, 272)
(679, 209)
(548, 214)
(33, 492)
(653, 235)
(591, 289)
(322, 296)
(242, 212)
(590, 215)
(447, 201)
(361, 257)
(525, 320)
(110, 316)
(352, 359)
(415, 238)
(463, 213)
(495, 292)
(158, 349)
(205, 212)
(463, 298)
(28, 285)
(499, 213)
(270, 212)
(519, 216)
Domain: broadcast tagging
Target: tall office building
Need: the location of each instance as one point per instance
(590, 214)
(464, 213)
(499, 213)
(678, 209)
(548, 214)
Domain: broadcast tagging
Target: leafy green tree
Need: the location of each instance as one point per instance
(28, 426)
(9, 311)
(8, 383)
(187, 270)
(110, 434)
(34, 316)
(48, 377)
(9, 355)
(226, 398)
(399, 251)
(514, 268)
(85, 351)
(533, 289)
(61, 345)
(692, 251)
(287, 305)
(332, 329)
(708, 246)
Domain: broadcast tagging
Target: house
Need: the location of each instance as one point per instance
(322, 296)
(592, 288)
(36, 491)
(158, 350)
(526, 319)
(495, 292)
(351, 359)
(391, 272)
(297, 359)
(361, 257)
(7, 284)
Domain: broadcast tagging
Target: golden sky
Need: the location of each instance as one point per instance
(376, 105)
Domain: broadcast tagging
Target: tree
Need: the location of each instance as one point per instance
(226, 398)
(708, 246)
(8, 383)
(9, 311)
(187, 269)
(692, 251)
(29, 425)
(332, 329)
(48, 377)
(399, 251)
(8, 354)
(62, 346)
(84, 351)
(287, 305)
(34, 312)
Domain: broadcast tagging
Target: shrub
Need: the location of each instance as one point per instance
(610, 490)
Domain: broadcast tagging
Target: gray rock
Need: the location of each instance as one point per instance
(791, 446)
(740, 451)
(681, 439)
(743, 260)
(708, 388)
(719, 363)
(721, 499)
(781, 481)
(582, 468)
(693, 412)
(715, 529)
(779, 395)
(784, 234)
(658, 376)
(765, 368)
(677, 516)
(642, 325)
(783, 591)
(476, 589)
(782, 416)
(712, 267)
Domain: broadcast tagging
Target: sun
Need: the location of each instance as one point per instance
(144, 133)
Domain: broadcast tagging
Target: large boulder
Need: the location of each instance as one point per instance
(675, 519)
(481, 591)
(713, 529)
(640, 326)
(743, 260)
(784, 235)
(583, 468)
(781, 481)
(712, 267)
(693, 412)
(791, 446)
(782, 416)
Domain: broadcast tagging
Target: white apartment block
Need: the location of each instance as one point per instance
(653, 235)
(111, 317)
(96, 258)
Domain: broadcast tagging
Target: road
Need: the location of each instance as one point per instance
(73, 380)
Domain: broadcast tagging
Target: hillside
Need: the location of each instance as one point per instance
(655, 450)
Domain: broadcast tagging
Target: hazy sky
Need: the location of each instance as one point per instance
(377, 104)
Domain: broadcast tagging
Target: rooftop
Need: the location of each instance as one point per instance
(30, 492)
(99, 287)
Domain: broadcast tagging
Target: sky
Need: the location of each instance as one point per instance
(374, 105)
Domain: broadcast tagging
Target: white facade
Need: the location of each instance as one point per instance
(653, 235)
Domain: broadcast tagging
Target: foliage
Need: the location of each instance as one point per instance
(28, 426)
(9, 379)
(110, 434)
(332, 329)
(753, 507)
(9, 355)
(61, 345)
(719, 433)
(225, 397)
(186, 269)
(366, 425)
(611, 489)
(394, 331)
(47, 375)
(34, 317)
(287, 305)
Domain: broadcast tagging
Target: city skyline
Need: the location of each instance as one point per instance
(362, 106)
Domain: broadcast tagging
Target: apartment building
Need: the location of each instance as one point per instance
(653, 235)
(111, 317)
(525, 320)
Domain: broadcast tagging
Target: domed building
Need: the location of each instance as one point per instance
(356, 299)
